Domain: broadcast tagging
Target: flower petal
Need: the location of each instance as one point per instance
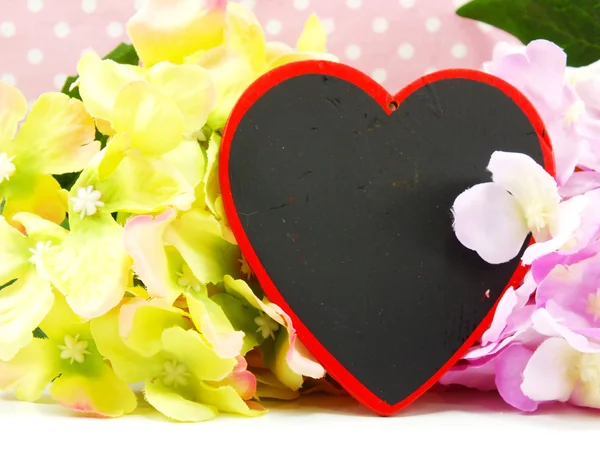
(128, 365)
(100, 82)
(242, 318)
(296, 356)
(145, 333)
(57, 136)
(121, 190)
(91, 267)
(37, 194)
(197, 236)
(544, 323)
(225, 399)
(480, 377)
(190, 87)
(13, 107)
(568, 221)
(488, 220)
(23, 306)
(189, 348)
(170, 30)
(211, 177)
(102, 394)
(188, 159)
(546, 376)
(242, 380)
(505, 307)
(245, 36)
(143, 238)
(154, 123)
(40, 229)
(525, 179)
(580, 183)
(14, 253)
(212, 322)
(313, 37)
(31, 370)
(510, 365)
(175, 407)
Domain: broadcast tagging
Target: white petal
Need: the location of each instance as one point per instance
(546, 376)
(488, 219)
(520, 175)
(563, 228)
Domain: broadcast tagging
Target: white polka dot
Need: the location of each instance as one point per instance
(273, 27)
(59, 81)
(35, 56)
(8, 78)
(7, 29)
(380, 25)
(249, 4)
(301, 5)
(406, 51)
(114, 29)
(354, 4)
(329, 25)
(433, 24)
(485, 27)
(138, 4)
(459, 3)
(35, 5)
(460, 51)
(407, 3)
(62, 29)
(88, 6)
(353, 52)
(379, 75)
(430, 70)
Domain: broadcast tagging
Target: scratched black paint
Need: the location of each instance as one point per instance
(348, 210)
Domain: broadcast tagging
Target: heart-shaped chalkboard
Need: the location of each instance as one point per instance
(340, 195)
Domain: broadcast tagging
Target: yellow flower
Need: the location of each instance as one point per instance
(56, 138)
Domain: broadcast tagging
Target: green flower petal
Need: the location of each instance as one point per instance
(175, 407)
(62, 321)
(211, 176)
(149, 322)
(121, 190)
(241, 316)
(280, 365)
(197, 236)
(40, 229)
(91, 267)
(30, 372)
(23, 305)
(225, 399)
(129, 365)
(189, 160)
(103, 394)
(14, 252)
(189, 348)
(212, 322)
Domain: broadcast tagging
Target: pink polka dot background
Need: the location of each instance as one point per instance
(394, 41)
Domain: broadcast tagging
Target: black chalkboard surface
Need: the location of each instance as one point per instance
(340, 197)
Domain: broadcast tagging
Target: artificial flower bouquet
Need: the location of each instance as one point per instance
(118, 267)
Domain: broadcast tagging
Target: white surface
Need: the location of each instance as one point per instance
(450, 420)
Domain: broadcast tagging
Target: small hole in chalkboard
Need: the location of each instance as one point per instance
(393, 106)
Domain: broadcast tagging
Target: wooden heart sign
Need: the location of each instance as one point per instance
(340, 195)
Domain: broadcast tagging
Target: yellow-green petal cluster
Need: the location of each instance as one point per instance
(129, 275)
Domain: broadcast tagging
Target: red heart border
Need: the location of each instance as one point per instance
(389, 103)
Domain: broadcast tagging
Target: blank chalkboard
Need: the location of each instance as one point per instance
(343, 207)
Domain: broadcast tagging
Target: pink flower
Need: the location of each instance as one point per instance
(539, 70)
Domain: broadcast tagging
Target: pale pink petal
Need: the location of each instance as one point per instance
(546, 377)
(510, 365)
(474, 377)
(243, 381)
(547, 325)
(488, 220)
(568, 220)
(505, 307)
(143, 239)
(580, 183)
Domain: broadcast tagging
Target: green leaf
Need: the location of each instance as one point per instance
(572, 25)
(39, 334)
